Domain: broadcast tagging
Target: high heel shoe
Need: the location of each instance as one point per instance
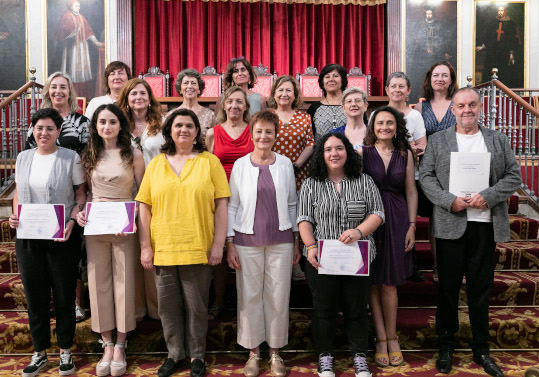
(395, 355)
(381, 359)
(118, 368)
(102, 369)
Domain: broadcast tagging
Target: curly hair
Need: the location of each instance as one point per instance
(153, 115)
(111, 67)
(333, 67)
(71, 99)
(169, 147)
(352, 166)
(91, 153)
(428, 92)
(400, 141)
(189, 72)
(221, 113)
(280, 81)
(227, 78)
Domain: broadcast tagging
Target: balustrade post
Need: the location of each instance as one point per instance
(33, 92)
(492, 123)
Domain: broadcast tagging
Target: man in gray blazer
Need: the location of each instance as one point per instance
(467, 228)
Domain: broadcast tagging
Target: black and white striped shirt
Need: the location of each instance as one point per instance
(332, 213)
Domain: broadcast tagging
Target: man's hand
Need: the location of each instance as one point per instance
(460, 204)
(478, 201)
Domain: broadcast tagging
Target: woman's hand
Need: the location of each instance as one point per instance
(216, 255)
(146, 258)
(349, 236)
(409, 241)
(122, 234)
(297, 254)
(312, 257)
(13, 221)
(67, 231)
(81, 218)
(232, 257)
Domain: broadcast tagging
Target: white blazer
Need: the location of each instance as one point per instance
(243, 190)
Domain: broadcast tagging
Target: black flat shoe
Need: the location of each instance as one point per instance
(168, 367)
(443, 362)
(488, 365)
(198, 368)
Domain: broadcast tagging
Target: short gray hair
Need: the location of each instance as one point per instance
(399, 75)
(189, 72)
(467, 88)
(354, 89)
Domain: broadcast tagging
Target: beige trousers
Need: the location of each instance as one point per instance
(112, 262)
(263, 285)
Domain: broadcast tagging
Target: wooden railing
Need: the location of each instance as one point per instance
(512, 112)
(16, 111)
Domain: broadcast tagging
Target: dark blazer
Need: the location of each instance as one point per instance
(504, 180)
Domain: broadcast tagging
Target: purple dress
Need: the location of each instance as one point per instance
(392, 265)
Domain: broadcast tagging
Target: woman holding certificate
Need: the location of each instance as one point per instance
(111, 164)
(49, 174)
(338, 202)
(262, 243)
(183, 204)
(388, 158)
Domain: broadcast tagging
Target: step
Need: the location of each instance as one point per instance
(297, 364)
(513, 255)
(510, 328)
(511, 288)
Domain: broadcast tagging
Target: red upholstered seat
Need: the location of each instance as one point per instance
(356, 78)
(212, 81)
(157, 80)
(264, 80)
(308, 82)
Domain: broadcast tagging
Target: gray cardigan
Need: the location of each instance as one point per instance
(504, 179)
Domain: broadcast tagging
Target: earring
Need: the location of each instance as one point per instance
(450, 86)
(195, 142)
(395, 136)
(128, 107)
(149, 105)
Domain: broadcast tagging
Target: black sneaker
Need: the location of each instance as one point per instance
(325, 365)
(37, 363)
(168, 367)
(67, 367)
(361, 367)
(198, 368)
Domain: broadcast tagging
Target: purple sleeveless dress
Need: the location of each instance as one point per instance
(392, 265)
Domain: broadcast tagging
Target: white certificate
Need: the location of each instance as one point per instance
(469, 173)
(110, 218)
(41, 221)
(337, 258)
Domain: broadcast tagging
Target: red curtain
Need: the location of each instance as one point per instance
(287, 38)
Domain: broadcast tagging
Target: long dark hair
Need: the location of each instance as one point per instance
(352, 166)
(94, 147)
(169, 147)
(400, 141)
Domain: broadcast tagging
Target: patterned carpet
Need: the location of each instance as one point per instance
(298, 365)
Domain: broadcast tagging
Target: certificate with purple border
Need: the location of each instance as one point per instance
(110, 218)
(337, 258)
(41, 221)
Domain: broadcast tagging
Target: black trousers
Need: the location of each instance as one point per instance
(471, 255)
(332, 294)
(46, 265)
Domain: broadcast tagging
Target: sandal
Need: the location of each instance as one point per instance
(102, 368)
(214, 312)
(395, 355)
(297, 273)
(80, 314)
(381, 359)
(118, 368)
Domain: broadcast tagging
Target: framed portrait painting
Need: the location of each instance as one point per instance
(500, 41)
(430, 36)
(13, 58)
(75, 42)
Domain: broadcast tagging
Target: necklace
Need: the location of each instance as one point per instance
(384, 154)
(337, 184)
(236, 128)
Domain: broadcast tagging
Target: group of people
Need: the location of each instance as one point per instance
(248, 188)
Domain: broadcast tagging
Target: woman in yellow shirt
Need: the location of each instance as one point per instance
(183, 220)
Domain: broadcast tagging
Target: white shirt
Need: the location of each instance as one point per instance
(474, 144)
(95, 103)
(415, 125)
(40, 171)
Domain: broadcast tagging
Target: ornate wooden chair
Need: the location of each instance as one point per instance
(308, 82)
(264, 80)
(158, 81)
(212, 82)
(358, 79)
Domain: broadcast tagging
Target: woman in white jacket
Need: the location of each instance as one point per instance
(262, 241)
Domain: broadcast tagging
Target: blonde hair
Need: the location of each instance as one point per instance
(71, 99)
(221, 114)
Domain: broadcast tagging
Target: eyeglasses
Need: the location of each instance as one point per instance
(351, 101)
(237, 59)
(136, 141)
